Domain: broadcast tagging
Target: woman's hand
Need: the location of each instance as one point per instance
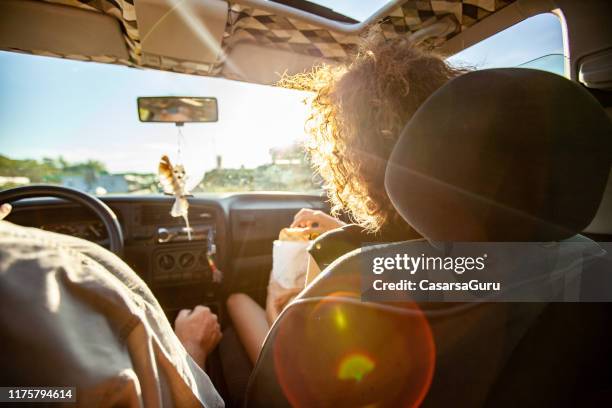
(5, 210)
(277, 299)
(199, 331)
(315, 221)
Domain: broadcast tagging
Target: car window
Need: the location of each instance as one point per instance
(536, 42)
(76, 124)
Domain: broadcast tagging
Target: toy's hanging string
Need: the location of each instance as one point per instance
(180, 140)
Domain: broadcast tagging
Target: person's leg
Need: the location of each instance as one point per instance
(250, 322)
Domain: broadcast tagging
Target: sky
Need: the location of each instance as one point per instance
(83, 110)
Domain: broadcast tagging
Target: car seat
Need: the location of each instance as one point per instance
(500, 155)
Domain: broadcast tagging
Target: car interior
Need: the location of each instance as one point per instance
(557, 355)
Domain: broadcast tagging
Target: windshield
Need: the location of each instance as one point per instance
(76, 124)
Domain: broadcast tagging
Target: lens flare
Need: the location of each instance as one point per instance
(355, 366)
(340, 319)
(336, 350)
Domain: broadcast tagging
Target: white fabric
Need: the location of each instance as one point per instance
(289, 263)
(74, 314)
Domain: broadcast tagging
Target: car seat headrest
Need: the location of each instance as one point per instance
(502, 155)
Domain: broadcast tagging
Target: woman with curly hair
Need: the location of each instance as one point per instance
(358, 111)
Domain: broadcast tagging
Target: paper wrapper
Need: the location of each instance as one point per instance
(289, 263)
(290, 258)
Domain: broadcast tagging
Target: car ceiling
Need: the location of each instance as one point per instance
(217, 38)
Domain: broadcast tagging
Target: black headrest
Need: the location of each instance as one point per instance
(502, 155)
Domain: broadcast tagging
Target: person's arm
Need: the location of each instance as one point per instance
(85, 274)
(199, 332)
(251, 322)
(278, 298)
(317, 222)
(5, 209)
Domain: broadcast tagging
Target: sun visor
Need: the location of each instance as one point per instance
(52, 29)
(186, 33)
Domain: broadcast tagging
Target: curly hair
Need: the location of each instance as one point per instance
(358, 110)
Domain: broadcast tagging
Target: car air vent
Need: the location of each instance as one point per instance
(160, 215)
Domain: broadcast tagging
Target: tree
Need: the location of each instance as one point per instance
(50, 170)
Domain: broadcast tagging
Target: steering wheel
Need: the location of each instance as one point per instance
(102, 211)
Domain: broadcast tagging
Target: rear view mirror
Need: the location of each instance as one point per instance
(177, 109)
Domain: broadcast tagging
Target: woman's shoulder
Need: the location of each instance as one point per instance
(350, 234)
(335, 243)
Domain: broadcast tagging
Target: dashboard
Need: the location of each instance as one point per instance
(232, 233)
(90, 230)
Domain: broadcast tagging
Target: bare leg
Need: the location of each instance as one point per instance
(250, 323)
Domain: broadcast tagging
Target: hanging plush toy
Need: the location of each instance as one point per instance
(173, 180)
